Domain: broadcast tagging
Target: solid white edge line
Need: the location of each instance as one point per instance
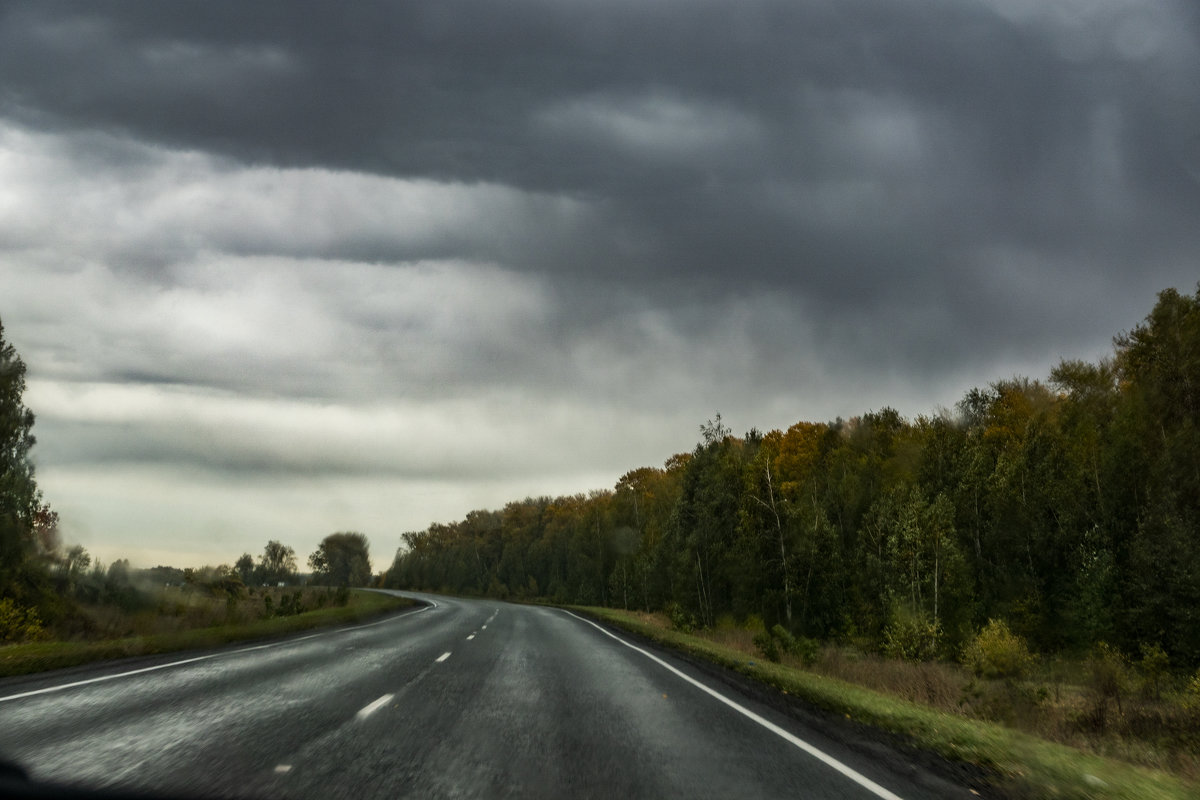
(102, 678)
(367, 711)
(442, 657)
(820, 755)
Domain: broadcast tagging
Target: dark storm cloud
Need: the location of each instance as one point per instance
(528, 245)
(923, 184)
(853, 155)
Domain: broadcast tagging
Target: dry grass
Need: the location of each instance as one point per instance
(178, 609)
(940, 686)
(174, 635)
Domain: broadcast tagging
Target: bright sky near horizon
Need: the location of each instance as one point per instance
(290, 268)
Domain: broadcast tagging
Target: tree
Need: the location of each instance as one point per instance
(278, 563)
(19, 496)
(244, 567)
(342, 559)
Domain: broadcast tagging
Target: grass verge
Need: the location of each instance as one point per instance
(1024, 765)
(24, 659)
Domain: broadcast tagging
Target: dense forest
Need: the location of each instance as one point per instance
(1068, 508)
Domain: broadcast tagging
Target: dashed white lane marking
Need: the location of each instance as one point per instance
(367, 711)
(442, 657)
(469, 638)
(820, 755)
(181, 662)
(283, 768)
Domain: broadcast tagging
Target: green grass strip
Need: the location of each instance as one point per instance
(24, 659)
(1025, 765)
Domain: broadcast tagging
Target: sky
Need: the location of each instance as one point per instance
(284, 269)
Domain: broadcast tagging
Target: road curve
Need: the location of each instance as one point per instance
(461, 698)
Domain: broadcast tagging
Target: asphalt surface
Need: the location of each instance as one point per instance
(461, 698)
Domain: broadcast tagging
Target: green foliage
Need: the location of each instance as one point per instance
(17, 623)
(342, 559)
(911, 636)
(291, 604)
(276, 565)
(1191, 694)
(681, 620)
(1153, 668)
(998, 653)
(779, 640)
(20, 499)
(1108, 680)
(766, 644)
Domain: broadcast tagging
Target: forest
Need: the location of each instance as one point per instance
(1067, 508)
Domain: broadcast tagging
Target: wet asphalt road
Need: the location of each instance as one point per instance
(462, 698)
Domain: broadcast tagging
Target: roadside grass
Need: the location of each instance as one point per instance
(1024, 765)
(31, 657)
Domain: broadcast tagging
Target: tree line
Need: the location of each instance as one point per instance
(1068, 507)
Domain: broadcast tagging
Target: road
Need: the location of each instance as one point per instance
(461, 698)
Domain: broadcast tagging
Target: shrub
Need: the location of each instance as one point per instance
(1108, 679)
(1153, 669)
(784, 637)
(1191, 694)
(998, 653)
(779, 640)
(767, 645)
(18, 624)
(680, 619)
(803, 648)
(911, 637)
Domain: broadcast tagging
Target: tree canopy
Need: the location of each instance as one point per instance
(342, 559)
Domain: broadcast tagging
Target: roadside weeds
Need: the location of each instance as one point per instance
(33, 657)
(1023, 765)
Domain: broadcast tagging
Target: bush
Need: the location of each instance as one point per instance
(1108, 679)
(1191, 694)
(680, 619)
(803, 648)
(779, 640)
(18, 624)
(998, 653)
(1153, 669)
(911, 637)
(767, 645)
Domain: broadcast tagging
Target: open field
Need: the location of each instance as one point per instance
(940, 708)
(187, 622)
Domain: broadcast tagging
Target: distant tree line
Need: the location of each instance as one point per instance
(1069, 508)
